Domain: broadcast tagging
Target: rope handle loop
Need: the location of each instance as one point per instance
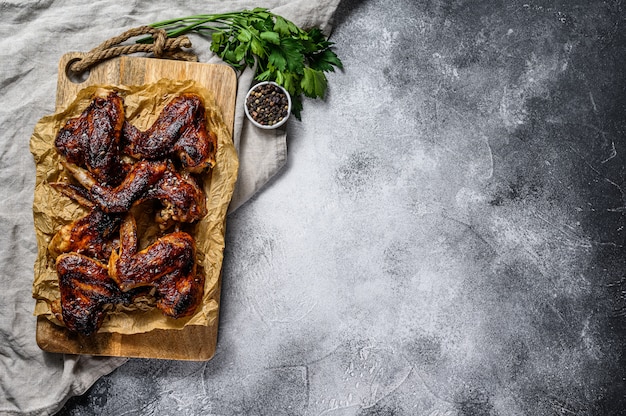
(162, 47)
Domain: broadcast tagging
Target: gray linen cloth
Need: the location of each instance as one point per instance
(33, 37)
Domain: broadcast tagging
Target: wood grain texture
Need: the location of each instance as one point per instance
(195, 343)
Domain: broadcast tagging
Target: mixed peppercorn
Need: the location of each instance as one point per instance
(268, 104)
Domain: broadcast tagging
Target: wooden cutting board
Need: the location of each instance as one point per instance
(194, 342)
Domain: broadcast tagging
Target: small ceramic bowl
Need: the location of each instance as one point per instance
(267, 111)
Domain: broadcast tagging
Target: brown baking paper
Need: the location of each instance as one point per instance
(51, 210)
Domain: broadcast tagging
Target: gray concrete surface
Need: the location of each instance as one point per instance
(448, 235)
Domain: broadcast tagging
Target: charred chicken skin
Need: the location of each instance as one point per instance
(92, 235)
(182, 198)
(180, 194)
(168, 265)
(85, 288)
(92, 140)
(143, 175)
(178, 294)
(180, 130)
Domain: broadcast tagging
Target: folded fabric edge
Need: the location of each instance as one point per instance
(268, 146)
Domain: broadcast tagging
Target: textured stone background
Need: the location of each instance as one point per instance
(448, 235)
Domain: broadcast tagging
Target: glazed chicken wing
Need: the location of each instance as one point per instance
(92, 139)
(168, 265)
(179, 294)
(180, 130)
(183, 199)
(121, 198)
(92, 235)
(85, 288)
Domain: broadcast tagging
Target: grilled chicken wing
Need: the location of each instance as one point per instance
(93, 235)
(77, 193)
(182, 197)
(180, 130)
(92, 139)
(121, 198)
(85, 288)
(178, 294)
(168, 265)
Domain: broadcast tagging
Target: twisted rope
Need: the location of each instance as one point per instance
(162, 47)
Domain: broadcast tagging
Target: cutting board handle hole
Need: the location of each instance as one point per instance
(75, 77)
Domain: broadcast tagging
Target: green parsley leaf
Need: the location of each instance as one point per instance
(256, 46)
(313, 83)
(291, 82)
(277, 58)
(271, 37)
(218, 38)
(292, 51)
(265, 75)
(326, 61)
(240, 51)
(281, 26)
(244, 36)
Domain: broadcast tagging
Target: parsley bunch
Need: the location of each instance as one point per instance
(286, 54)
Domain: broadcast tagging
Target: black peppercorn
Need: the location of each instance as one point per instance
(268, 104)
